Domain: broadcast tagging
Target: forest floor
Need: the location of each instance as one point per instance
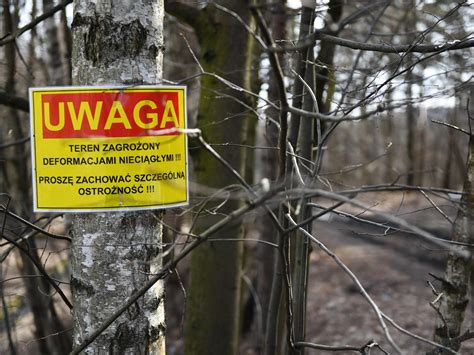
(395, 272)
(394, 268)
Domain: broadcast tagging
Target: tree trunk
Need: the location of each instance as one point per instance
(411, 125)
(113, 254)
(410, 110)
(301, 245)
(456, 283)
(266, 166)
(55, 66)
(277, 309)
(16, 176)
(213, 304)
(67, 43)
(325, 57)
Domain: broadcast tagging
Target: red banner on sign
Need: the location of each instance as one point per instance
(109, 114)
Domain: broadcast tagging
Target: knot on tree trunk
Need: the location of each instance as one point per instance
(106, 40)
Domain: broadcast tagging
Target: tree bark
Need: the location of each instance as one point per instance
(457, 280)
(213, 303)
(67, 43)
(277, 309)
(266, 166)
(410, 111)
(325, 57)
(55, 66)
(113, 254)
(16, 174)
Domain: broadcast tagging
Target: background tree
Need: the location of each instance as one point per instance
(215, 274)
(16, 176)
(455, 297)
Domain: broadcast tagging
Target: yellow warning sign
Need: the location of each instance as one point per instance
(109, 148)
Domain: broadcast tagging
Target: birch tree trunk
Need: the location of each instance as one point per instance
(113, 253)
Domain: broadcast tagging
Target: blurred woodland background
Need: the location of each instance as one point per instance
(356, 114)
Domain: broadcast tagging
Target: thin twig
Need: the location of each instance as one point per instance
(33, 226)
(415, 336)
(459, 129)
(12, 37)
(448, 244)
(295, 164)
(242, 22)
(373, 47)
(360, 349)
(239, 178)
(437, 207)
(11, 144)
(42, 271)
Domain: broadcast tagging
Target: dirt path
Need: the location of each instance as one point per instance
(394, 270)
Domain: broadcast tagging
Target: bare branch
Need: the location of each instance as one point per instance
(444, 243)
(242, 22)
(403, 48)
(33, 226)
(11, 144)
(360, 349)
(459, 129)
(41, 270)
(373, 47)
(12, 37)
(406, 332)
(15, 102)
(437, 207)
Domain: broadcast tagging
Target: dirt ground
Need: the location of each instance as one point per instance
(394, 276)
(393, 267)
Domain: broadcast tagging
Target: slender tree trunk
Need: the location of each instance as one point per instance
(410, 110)
(448, 174)
(45, 317)
(266, 166)
(277, 308)
(411, 126)
(55, 65)
(113, 253)
(448, 161)
(16, 171)
(456, 290)
(67, 43)
(388, 139)
(325, 57)
(6, 316)
(32, 60)
(301, 244)
(421, 132)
